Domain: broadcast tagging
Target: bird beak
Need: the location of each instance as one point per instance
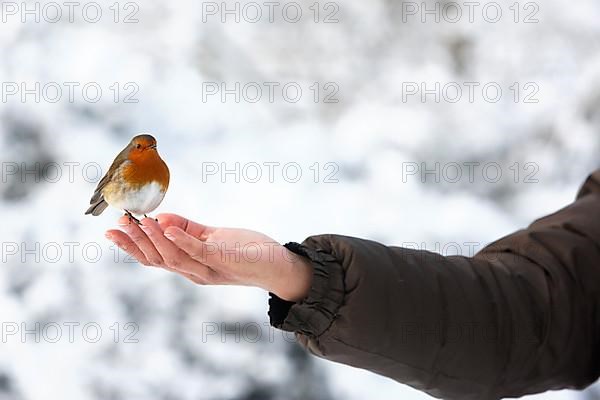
(152, 146)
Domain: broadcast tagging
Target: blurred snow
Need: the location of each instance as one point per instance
(371, 134)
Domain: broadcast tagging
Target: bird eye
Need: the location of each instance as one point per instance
(138, 146)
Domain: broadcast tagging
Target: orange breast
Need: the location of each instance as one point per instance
(145, 167)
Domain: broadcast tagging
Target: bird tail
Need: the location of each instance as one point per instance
(97, 207)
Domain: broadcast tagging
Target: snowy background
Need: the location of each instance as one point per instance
(161, 336)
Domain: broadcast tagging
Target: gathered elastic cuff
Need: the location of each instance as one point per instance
(314, 314)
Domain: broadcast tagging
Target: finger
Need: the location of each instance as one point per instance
(125, 243)
(172, 255)
(142, 241)
(193, 247)
(193, 228)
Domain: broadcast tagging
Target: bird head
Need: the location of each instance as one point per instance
(140, 145)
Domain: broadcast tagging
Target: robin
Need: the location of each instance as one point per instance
(136, 181)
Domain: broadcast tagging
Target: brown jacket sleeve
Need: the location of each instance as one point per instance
(521, 316)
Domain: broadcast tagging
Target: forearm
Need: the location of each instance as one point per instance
(413, 316)
(453, 327)
(517, 318)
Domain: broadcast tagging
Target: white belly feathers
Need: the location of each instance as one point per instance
(141, 201)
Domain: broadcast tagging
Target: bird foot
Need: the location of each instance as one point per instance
(131, 217)
(145, 216)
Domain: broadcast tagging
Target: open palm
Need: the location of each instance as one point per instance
(213, 255)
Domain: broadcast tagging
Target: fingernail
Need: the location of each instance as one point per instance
(169, 236)
(109, 236)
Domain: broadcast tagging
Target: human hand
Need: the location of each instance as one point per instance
(215, 256)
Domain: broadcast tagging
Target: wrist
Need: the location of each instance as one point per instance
(293, 274)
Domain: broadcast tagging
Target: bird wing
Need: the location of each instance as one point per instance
(114, 167)
(98, 192)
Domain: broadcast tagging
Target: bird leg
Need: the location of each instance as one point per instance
(145, 216)
(131, 217)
